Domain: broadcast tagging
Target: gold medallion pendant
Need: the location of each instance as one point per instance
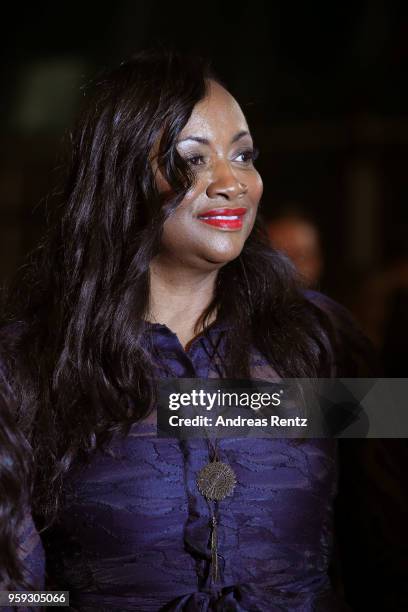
(216, 480)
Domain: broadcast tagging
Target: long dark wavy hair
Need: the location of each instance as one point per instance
(80, 365)
(15, 470)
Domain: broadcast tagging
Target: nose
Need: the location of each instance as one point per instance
(225, 184)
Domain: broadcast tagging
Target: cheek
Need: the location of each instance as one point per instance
(188, 239)
(256, 187)
(255, 190)
(178, 227)
(178, 231)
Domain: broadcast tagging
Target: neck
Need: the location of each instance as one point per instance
(179, 296)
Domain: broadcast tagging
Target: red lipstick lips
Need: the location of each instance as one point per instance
(224, 218)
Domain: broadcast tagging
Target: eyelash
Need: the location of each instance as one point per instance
(190, 159)
(251, 154)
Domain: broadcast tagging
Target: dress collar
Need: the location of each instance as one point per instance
(218, 325)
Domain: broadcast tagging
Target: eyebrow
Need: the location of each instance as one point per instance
(205, 141)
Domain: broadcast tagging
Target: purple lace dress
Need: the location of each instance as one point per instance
(134, 533)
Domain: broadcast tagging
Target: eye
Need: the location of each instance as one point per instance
(195, 160)
(247, 156)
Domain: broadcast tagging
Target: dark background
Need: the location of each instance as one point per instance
(323, 85)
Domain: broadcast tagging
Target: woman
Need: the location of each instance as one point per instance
(158, 268)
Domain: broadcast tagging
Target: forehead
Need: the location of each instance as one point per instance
(217, 115)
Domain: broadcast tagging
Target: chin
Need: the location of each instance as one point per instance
(222, 256)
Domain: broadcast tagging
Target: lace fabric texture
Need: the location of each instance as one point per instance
(134, 533)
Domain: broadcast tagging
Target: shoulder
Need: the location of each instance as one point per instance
(32, 552)
(354, 355)
(29, 555)
(338, 314)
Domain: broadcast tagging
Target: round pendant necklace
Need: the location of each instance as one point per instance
(215, 481)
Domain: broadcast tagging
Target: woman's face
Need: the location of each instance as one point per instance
(209, 228)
